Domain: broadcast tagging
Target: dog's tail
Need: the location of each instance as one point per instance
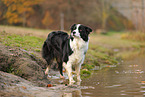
(47, 50)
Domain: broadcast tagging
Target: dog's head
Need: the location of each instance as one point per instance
(80, 31)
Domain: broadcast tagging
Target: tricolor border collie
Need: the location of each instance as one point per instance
(67, 50)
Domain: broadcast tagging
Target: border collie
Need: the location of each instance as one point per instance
(67, 50)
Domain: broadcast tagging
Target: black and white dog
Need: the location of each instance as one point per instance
(67, 50)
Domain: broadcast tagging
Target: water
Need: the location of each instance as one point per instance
(125, 80)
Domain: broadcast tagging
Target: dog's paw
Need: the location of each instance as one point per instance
(78, 79)
(71, 82)
(46, 72)
(61, 76)
(79, 83)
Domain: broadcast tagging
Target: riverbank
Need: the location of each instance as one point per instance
(104, 50)
(109, 50)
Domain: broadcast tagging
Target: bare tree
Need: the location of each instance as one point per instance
(62, 21)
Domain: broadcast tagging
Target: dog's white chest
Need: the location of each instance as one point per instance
(79, 48)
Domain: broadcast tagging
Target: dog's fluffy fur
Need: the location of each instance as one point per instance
(67, 50)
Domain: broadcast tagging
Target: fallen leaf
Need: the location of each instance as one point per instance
(49, 85)
(143, 82)
(24, 87)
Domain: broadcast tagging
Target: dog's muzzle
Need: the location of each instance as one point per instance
(74, 33)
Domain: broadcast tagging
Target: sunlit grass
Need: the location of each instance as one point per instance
(113, 41)
(25, 31)
(26, 42)
(138, 36)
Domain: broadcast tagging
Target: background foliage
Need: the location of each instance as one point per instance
(46, 14)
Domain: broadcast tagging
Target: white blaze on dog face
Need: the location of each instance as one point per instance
(75, 30)
(80, 31)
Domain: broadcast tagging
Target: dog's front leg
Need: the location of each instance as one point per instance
(68, 68)
(77, 69)
(47, 70)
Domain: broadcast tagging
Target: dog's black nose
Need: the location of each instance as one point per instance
(74, 33)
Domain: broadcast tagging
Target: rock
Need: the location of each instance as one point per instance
(12, 85)
(22, 63)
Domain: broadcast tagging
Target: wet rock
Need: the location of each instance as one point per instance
(12, 85)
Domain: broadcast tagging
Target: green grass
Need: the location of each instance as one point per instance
(99, 57)
(24, 41)
(85, 73)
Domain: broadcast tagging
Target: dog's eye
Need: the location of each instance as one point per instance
(75, 28)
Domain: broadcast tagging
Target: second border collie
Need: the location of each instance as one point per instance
(67, 50)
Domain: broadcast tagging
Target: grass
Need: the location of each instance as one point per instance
(113, 41)
(25, 31)
(117, 45)
(24, 41)
(137, 36)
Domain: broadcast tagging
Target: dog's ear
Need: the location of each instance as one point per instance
(88, 29)
(72, 26)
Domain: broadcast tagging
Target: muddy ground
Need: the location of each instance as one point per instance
(22, 74)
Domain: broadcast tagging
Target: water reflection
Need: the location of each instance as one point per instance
(76, 93)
